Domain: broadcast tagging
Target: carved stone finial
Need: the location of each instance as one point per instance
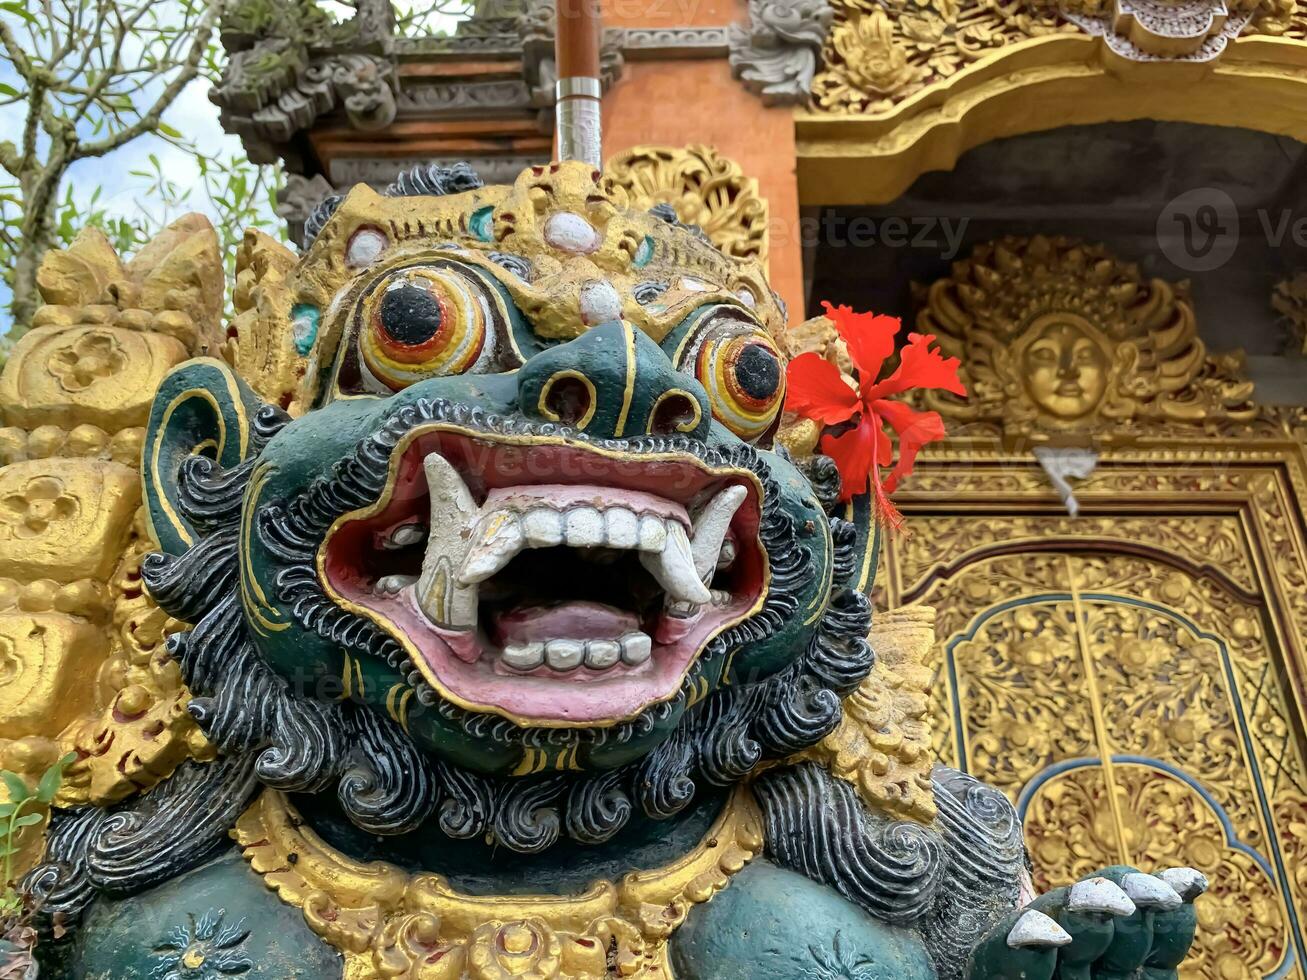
(776, 53)
(288, 67)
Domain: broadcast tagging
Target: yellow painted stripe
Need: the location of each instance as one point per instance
(628, 334)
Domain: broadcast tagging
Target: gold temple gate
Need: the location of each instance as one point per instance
(1147, 656)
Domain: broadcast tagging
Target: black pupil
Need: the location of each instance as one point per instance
(758, 372)
(410, 314)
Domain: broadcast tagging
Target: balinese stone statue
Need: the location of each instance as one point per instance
(521, 647)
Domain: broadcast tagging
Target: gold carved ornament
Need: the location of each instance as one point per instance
(705, 188)
(391, 924)
(82, 663)
(1289, 299)
(287, 333)
(1062, 341)
(883, 743)
(880, 54)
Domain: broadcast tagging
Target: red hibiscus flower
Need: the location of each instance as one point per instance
(818, 392)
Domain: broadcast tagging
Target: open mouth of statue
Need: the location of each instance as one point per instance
(555, 583)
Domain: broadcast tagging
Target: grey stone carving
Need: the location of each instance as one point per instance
(286, 70)
(289, 68)
(663, 43)
(777, 52)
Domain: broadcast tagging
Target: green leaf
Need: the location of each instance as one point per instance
(7, 89)
(19, 10)
(169, 131)
(29, 820)
(7, 810)
(18, 789)
(50, 780)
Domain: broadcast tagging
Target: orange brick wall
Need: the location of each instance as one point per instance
(679, 103)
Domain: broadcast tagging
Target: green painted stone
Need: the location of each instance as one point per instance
(780, 925)
(215, 922)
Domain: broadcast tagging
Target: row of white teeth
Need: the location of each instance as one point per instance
(467, 544)
(632, 649)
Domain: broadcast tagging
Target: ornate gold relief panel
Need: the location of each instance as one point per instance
(1109, 667)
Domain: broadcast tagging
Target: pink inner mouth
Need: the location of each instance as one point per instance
(565, 634)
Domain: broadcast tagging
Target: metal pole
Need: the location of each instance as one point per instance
(577, 91)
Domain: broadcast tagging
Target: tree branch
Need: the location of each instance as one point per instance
(149, 120)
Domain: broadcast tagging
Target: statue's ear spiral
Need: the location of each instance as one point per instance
(422, 323)
(743, 372)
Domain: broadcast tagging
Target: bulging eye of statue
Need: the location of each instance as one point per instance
(741, 368)
(425, 323)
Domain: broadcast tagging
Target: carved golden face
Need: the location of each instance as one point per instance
(1064, 366)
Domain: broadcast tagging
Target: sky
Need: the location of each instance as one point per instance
(122, 193)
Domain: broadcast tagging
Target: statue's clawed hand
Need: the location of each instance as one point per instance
(1118, 924)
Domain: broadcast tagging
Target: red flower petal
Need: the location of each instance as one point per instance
(816, 390)
(869, 338)
(854, 453)
(920, 366)
(914, 430)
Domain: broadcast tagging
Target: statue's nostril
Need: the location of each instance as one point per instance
(568, 398)
(676, 411)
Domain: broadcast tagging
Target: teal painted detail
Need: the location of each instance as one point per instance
(203, 926)
(481, 223)
(205, 947)
(1149, 943)
(780, 925)
(629, 372)
(644, 254)
(304, 319)
(201, 408)
(674, 344)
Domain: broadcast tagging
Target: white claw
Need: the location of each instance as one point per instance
(1151, 892)
(674, 569)
(710, 528)
(1188, 883)
(1099, 895)
(1037, 929)
(442, 599)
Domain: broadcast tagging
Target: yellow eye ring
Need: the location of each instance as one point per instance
(742, 370)
(424, 323)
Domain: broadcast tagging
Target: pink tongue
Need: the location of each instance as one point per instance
(564, 621)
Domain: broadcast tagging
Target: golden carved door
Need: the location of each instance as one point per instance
(1118, 679)
(1133, 677)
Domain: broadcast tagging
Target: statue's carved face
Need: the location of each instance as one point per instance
(536, 485)
(1064, 367)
